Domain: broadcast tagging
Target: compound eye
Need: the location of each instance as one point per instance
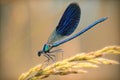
(39, 53)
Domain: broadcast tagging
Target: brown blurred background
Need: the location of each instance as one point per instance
(25, 26)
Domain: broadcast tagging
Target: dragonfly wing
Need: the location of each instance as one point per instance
(54, 37)
(57, 43)
(67, 24)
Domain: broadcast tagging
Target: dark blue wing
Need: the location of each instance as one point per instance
(69, 20)
(67, 24)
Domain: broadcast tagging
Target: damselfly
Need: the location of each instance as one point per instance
(66, 27)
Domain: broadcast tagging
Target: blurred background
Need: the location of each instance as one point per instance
(25, 26)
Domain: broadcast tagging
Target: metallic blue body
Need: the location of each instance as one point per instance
(66, 27)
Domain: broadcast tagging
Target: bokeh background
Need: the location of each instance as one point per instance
(25, 26)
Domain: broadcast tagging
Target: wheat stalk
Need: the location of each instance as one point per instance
(73, 64)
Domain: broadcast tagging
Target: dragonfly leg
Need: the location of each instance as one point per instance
(56, 51)
(49, 57)
(54, 56)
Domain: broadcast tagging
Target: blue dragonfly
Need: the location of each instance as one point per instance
(66, 27)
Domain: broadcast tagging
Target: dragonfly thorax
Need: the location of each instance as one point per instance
(47, 48)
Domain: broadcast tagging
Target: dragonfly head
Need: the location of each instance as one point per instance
(40, 52)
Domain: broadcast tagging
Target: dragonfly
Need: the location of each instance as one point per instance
(67, 25)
